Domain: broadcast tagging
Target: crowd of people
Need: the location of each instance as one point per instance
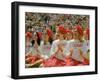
(63, 46)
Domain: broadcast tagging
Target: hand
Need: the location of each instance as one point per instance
(60, 47)
(28, 55)
(35, 45)
(80, 52)
(71, 51)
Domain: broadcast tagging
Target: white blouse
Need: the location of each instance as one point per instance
(76, 45)
(45, 49)
(54, 48)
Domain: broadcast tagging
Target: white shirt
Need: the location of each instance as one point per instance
(60, 55)
(76, 45)
(45, 49)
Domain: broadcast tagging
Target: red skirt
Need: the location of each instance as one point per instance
(53, 62)
(71, 62)
(32, 59)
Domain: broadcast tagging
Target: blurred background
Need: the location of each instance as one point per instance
(40, 20)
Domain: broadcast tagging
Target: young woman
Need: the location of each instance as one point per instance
(76, 48)
(33, 57)
(57, 52)
(36, 38)
(46, 43)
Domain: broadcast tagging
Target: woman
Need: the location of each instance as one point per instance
(37, 36)
(57, 57)
(45, 45)
(77, 46)
(33, 57)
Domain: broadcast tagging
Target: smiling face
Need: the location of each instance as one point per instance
(77, 35)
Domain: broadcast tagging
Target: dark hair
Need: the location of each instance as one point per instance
(38, 39)
(50, 40)
(32, 42)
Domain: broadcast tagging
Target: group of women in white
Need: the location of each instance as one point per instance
(65, 47)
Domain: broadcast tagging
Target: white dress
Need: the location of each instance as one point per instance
(76, 45)
(45, 49)
(54, 48)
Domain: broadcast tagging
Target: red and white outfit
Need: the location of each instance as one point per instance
(57, 53)
(45, 49)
